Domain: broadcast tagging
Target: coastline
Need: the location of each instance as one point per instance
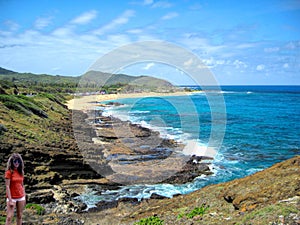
(89, 101)
(134, 154)
(234, 200)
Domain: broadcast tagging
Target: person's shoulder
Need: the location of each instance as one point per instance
(8, 174)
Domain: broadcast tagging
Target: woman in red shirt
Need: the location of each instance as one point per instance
(15, 191)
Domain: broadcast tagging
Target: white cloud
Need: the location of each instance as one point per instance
(161, 4)
(148, 2)
(292, 45)
(85, 18)
(239, 64)
(220, 62)
(82, 19)
(170, 15)
(148, 66)
(286, 65)
(260, 67)
(63, 31)
(42, 22)
(270, 50)
(153, 4)
(201, 45)
(188, 62)
(122, 19)
(135, 31)
(12, 26)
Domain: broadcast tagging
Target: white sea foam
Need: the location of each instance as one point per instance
(194, 147)
(138, 112)
(89, 197)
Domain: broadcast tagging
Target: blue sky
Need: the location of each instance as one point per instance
(241, 42)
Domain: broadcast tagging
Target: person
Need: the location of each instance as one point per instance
(15, 191)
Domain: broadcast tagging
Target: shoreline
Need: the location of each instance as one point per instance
(90, 101)
(135, 154)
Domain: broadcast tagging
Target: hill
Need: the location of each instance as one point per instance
(90, 81)
(35, 78)
(5, 71)
(125, 82)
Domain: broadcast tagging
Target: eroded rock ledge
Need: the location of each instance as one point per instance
(57, 171)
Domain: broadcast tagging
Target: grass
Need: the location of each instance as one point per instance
(269, 214)
(197, 211)
(39, 209)
(152, 220)
(18, 120)
(22, 104)
(2, 219)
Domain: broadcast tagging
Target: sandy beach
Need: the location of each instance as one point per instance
(90, 101)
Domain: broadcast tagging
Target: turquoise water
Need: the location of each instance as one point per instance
(262, 128)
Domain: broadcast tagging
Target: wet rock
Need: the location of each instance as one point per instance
(41, 197)
(70, 221)
(157, 196)
(3, 129)
(103, 205)
(192, 169)
(114, 104)
(132, 201)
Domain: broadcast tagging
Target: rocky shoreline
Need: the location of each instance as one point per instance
(125, 154)
(59, 168)
(109, 161)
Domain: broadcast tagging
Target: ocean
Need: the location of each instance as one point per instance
(261, 127)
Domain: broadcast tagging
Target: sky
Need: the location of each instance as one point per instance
(240, 42)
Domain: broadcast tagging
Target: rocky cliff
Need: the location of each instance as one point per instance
(47, 146)
(271, 196)
(55, 166)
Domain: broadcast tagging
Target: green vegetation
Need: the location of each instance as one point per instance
(22, 104)
(152, 220)
(197, 211)
(40, 210)
(269, 213)
(2, 219)
(92, 81)
(31, 119)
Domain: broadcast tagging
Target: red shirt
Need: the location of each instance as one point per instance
(16, 183)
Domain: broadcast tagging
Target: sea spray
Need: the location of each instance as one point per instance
(261, 130)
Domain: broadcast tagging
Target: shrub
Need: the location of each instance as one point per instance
(152, 220)
(40, 210)
(2, 220)
(23, 105)
(197, 211)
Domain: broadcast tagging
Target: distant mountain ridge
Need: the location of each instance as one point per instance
(5, 71)
(95, 78)
(103, 79)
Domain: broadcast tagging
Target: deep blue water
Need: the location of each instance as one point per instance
(262, 128)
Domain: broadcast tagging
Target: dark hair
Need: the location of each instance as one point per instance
(10, 163)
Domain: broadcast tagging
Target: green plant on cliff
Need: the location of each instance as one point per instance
(22, 104)
(2, 219)
(152, 220)
(40, 210)
(197, 211)
(269, 213)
